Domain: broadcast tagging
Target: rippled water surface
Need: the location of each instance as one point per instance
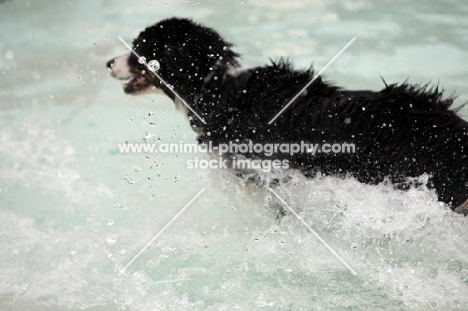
(74, 211)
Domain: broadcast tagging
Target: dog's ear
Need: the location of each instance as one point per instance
(186, 60)
(185, 66)
(177, 60)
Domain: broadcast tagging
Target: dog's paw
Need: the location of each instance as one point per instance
(462, 209)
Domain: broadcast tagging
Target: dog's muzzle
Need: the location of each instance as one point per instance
(138, 80)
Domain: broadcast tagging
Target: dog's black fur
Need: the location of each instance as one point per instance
(402, 131)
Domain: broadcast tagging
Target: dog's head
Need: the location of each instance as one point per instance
(186, 54)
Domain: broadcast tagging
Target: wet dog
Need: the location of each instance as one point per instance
(400, 133)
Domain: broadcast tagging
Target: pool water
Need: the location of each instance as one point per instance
(74, 210)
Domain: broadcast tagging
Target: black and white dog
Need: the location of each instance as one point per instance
(400, 132)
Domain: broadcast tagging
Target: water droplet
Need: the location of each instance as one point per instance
(347, 120)
(129, 180)
(154, 65)
(111, 240)
(142, 60)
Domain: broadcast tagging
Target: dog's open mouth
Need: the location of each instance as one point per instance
(137, 83)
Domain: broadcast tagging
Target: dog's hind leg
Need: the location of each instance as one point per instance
(274, 204)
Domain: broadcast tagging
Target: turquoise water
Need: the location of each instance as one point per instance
(74, 211)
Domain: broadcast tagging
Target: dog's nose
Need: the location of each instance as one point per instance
(110, 63)
(118, 67)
